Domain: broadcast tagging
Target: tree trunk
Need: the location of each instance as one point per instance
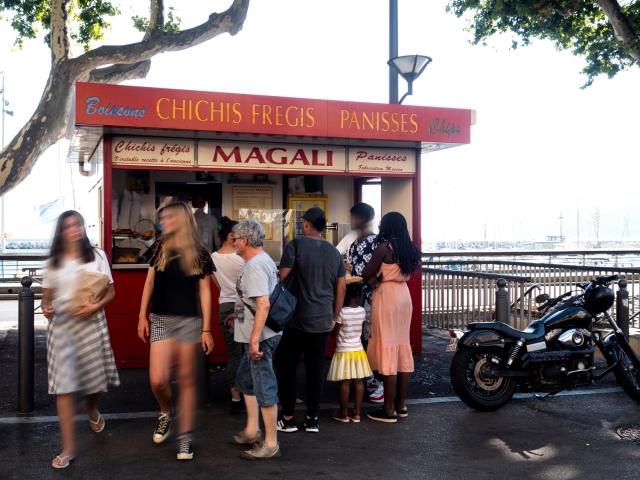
(50, 122)
(47, 125)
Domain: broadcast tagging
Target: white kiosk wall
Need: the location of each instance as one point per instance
(397, 196)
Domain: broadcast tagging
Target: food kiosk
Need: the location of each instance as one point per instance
(240, 156)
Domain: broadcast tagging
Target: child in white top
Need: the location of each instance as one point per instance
(349, 363)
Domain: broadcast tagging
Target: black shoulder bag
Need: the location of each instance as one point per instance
(282, 304)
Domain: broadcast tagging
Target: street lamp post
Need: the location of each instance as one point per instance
(393, 50)
(409, 66)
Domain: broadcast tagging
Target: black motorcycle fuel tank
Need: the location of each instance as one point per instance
(571, 316)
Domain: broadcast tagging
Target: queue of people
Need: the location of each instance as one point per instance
(364, 301)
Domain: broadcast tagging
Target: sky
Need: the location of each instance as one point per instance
(542, 148)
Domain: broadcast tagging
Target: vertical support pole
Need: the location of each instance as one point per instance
(622, 307)
(393, 50)
(502, 301)
(25, 347)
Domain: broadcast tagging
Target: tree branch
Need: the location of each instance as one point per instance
(621, 26)
(50, 121)
(120, 72)
(59, 35)
(229, 21)
(156, 17)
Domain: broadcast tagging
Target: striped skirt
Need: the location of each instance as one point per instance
(79, 356)
(349, 366)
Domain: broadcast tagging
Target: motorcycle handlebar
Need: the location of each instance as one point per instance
(554, 301)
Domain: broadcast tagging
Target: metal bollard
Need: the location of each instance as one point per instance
(502, 301)
(622, 307)
(25, 347)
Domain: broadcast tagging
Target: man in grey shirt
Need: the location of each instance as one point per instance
(256, 378)
(319, 284)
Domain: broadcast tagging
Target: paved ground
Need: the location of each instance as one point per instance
(568, 437)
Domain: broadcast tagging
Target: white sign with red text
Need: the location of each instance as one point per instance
(156, 152)
(265, 156)
(382, 161)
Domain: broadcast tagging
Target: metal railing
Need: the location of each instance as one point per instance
(14, 266)
(453, 299)
(455, 291)
(600, 257)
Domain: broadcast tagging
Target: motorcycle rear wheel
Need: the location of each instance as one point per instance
(474, 385)
(627, 376)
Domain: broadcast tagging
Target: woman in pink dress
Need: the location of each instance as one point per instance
(389, 350)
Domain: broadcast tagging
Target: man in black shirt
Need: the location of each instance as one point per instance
(319, 284)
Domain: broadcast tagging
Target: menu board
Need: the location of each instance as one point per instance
(381, 161)
(157, 152)
(255, 202)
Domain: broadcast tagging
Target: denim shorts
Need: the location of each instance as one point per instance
(256, 377)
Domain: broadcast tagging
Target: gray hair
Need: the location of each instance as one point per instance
(251, 231)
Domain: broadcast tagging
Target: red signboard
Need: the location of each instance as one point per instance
(143, 107)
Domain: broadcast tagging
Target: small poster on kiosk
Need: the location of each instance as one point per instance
(255, 203)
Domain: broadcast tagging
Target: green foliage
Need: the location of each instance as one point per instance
(88, 19)
(576, 25)
(25, 16)
(172, 24)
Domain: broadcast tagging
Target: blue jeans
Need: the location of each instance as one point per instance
(256, 377)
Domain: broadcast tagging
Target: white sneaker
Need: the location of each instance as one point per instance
(378, 395)
(372, 385)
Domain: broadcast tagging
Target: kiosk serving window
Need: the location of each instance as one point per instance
(270, 183)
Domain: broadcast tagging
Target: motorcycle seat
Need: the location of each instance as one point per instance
(534, 331)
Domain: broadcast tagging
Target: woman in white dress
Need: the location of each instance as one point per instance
(79, 355)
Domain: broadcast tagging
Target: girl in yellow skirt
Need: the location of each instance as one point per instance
(349, 363)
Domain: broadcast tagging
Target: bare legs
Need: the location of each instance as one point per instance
(187, 383)
(162, 354)
(345, 386)
(253, 416)
(269, 417)
(395, 391)
(160, 372)
(235, 393)
(358, 394)
(389, 393)
(66, 414)
(357, 397)
(401, 391)
(90, 406)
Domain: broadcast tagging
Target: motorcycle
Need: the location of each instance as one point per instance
(552, 354)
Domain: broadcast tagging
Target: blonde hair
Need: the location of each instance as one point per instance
(186, 240)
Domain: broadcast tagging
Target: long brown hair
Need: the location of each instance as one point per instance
(185, 240)
(87, 251)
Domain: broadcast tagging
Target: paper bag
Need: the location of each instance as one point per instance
(91, 288)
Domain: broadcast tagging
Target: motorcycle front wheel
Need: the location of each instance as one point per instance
(628, 376)
(473, 383)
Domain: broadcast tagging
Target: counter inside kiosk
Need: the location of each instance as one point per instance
(276, 201)
(140, 148)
